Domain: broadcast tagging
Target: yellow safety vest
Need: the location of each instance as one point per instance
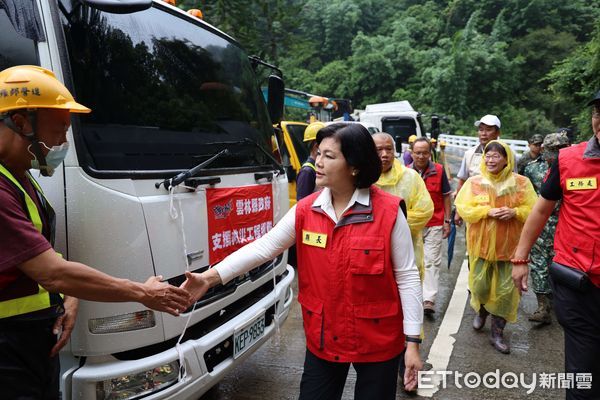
(42, 299)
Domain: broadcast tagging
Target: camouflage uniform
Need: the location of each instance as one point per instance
(524, 160)
(542, 251)
(527, 158)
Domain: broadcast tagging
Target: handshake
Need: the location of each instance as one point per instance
(161, 296)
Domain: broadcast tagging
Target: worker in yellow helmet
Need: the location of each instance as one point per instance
(407, 156)
(406, 183)
(38, 288)
(305, 181)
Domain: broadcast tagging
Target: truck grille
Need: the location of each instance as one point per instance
(217, 319)
(220, 291)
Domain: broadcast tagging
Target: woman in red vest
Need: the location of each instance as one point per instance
(495, 205)
(358, 284)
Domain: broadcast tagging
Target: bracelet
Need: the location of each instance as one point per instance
(413, 339)
(446, 221)
(516, 261)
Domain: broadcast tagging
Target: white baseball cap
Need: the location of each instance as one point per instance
(490, 120)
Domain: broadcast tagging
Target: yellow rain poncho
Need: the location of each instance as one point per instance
(491, 242)
(408, 184)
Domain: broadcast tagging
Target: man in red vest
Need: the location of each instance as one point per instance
(438, 227)
(575, 274)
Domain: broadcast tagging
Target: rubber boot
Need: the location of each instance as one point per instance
(542, 314)
(480, 318)
(497, 335)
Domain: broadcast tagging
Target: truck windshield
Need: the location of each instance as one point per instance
(165, 93)
(297, 134)
(399, 127)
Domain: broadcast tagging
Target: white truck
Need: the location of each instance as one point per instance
(168, 92)
(397, 118)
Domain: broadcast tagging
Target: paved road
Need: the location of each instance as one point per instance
(450, 344)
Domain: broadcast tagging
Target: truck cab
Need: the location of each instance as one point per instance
(168, 92)
(398, 118)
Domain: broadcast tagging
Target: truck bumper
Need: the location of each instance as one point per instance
(81, 382)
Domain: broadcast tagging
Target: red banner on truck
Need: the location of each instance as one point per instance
(237, 216)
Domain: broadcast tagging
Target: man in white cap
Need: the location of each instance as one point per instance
(488, 129)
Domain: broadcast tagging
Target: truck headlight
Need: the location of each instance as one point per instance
(122, 323)
(135, 386)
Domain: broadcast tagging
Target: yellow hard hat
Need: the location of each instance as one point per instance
(310, 133)
(442, 143)
(412, 138)
(31, 87)
(433, 140)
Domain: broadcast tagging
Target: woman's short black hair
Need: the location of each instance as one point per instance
(358, 149)
(495, 146)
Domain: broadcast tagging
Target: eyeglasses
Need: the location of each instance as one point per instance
(493, 157)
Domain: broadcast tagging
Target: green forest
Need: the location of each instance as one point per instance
(534, 63)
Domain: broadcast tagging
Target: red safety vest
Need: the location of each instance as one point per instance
(346, 285)
(577, 239)
(434, 187)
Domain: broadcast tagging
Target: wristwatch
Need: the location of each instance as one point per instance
(447, 221)
(413, 339)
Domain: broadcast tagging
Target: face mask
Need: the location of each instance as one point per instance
(55, 156)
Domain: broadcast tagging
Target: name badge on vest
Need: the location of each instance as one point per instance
(314, 239)
(588, 183)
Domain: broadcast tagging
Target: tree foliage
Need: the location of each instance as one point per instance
(532, 62)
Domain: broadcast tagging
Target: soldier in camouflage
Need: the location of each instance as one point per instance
(533, 155)
(542, 252)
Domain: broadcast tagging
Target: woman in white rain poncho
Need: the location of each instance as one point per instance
(495, 206)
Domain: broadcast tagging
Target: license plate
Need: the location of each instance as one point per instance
(248, 334)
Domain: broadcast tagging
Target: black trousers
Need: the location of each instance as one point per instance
(579, 315)
(26, 370)
(325, 380)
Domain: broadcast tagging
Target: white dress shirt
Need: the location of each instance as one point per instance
(283, 236)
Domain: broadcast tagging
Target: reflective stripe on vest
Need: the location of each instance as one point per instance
(42, 299)
(307, 164)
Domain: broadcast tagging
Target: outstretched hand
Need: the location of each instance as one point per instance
(161, 296)
(196, 284)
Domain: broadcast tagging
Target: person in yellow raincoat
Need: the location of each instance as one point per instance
(406, 183)
(495, 206)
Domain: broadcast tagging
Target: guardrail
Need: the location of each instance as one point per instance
(466, 142)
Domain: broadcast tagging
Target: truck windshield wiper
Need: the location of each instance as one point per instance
(177, 179)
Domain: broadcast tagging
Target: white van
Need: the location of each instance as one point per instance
(167, 92)
(398, 118)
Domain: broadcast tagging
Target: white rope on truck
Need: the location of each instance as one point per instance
(174, 216)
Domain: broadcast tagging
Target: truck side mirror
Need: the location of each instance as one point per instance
(276, 98)
(398, 141)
